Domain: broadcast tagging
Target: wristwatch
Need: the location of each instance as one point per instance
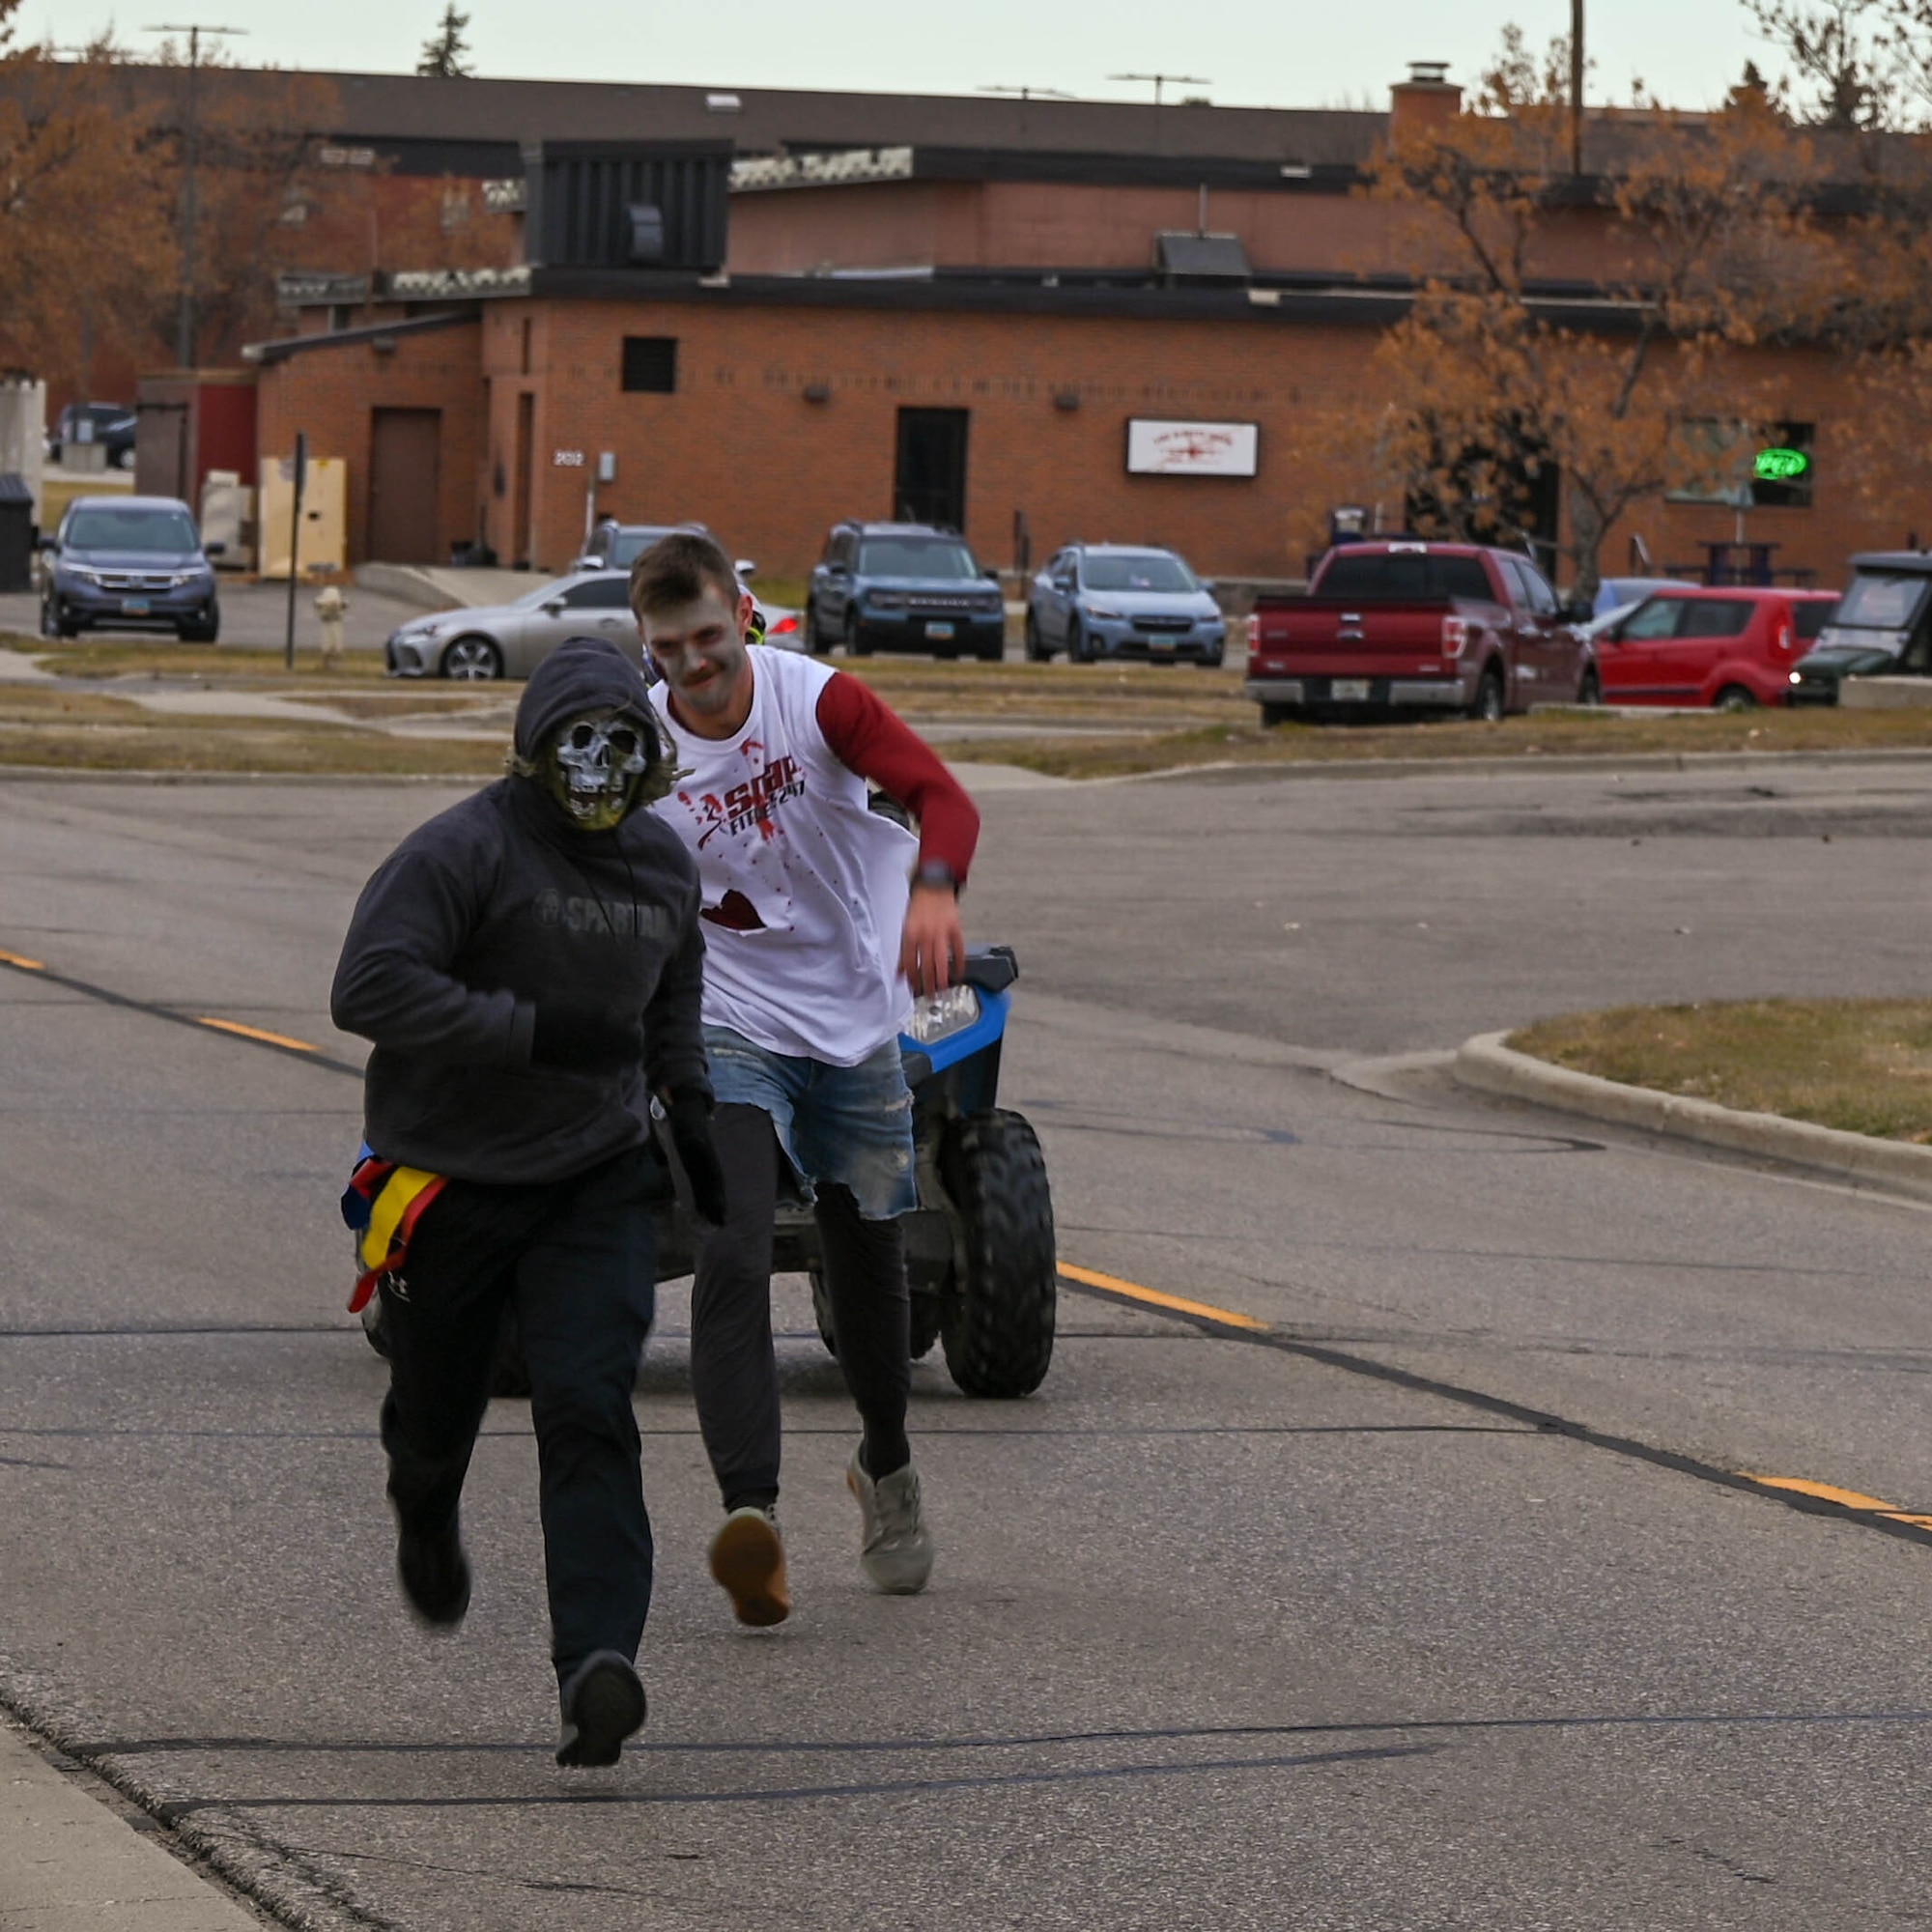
(936, 872)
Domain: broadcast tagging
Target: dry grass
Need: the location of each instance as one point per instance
(137, 657)
(1073, 721)
(47, 727)
(1568, 734)
(1863, 1066)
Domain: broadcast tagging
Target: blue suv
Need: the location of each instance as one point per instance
(904, 588)
(133, 563)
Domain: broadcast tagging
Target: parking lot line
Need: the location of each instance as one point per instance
(257, 1033)
(20, 960)
(1829, 1492)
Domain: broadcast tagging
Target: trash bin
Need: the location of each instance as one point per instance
(16, 534)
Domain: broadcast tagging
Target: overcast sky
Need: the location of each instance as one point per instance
(1250, 53)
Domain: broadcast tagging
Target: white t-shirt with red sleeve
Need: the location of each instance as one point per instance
(804, 886)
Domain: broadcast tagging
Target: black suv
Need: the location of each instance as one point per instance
(908, 587)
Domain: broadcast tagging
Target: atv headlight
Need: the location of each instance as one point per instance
(944, 1015)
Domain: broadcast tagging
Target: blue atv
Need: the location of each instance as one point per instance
(980, 1245)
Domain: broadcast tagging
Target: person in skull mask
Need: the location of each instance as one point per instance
(528, 965)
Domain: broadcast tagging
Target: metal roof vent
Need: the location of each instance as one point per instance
(1200, 258)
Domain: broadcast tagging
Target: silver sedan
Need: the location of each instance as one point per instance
(511, 640)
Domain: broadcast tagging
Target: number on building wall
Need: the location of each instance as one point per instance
(570, 458)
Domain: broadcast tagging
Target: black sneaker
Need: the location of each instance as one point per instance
(603, 1704)
(434, 1573)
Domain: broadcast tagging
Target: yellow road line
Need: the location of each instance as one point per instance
(256, 1033)
(1155, 1298)
(20, 960)
(1851, 1499)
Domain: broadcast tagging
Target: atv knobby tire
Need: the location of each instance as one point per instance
(996, 1321)
(925, 1319)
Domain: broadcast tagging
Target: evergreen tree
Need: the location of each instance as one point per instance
(445, 56)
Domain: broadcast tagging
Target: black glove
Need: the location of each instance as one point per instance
(585, 1040)
(689, 1111)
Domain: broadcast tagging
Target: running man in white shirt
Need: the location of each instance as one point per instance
(821, 919)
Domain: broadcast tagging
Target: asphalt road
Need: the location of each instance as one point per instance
(1312, 1630)
(253, 616)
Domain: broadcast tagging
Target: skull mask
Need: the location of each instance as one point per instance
(597, 765)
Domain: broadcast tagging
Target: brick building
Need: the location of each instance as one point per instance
(883, 316)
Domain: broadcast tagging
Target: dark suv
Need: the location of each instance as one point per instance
(905, 588)
(130, 563)
(1882, 627)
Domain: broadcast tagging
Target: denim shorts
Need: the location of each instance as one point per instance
(844, 1125)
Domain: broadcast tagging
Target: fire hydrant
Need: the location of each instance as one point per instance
(330, 607)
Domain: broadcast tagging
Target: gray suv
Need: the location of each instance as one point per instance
(1116, 600)
(905, 588)
(132, 563)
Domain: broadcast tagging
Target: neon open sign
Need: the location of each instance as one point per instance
(1780, 466)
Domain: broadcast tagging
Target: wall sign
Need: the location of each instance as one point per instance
(1780, 466)
(1160, 448)
(569, 459)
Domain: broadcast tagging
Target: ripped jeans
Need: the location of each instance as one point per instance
(846, 1130)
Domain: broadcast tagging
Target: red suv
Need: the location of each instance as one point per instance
(1727, 648)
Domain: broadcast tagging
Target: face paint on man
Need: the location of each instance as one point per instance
(596, 765)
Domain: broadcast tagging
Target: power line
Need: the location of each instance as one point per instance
(184, 334)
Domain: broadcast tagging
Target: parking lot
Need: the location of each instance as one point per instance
(1428, 1605)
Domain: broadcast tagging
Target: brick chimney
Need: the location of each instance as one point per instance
(1425, 99)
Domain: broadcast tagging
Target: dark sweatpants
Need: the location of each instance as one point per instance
(732, 1371)
(576, 1258)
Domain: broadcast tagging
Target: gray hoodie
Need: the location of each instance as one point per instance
(495, 907)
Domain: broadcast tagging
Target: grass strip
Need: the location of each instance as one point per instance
(1862, 1066)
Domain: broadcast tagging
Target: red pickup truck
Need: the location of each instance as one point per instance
(1398, 625)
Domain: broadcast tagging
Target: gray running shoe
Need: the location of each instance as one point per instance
(896, 1549)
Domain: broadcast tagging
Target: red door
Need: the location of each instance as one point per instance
(1628, 659)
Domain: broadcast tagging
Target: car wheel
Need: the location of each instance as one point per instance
(1078, 650)
(1590, 688)
(855, 647)
(472, 658)
(1278, 714)
(1038, 649)
(1735, 697)
(997, 1311)
(50, 619)
(815, 645)
(1487, 706)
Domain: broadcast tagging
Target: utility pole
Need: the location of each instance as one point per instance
(184, 334)
(1576, 87)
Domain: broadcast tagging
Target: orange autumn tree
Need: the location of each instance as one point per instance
(84, 220)
(1580, 328)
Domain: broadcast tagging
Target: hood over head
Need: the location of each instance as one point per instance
(582, 675)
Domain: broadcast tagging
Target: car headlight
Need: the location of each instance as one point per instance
(424, 629)
(884, 600)
(81, 571)
(1105, 615)
(1797, 678)
(944, 1015)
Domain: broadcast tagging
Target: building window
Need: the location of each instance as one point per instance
(650, 363)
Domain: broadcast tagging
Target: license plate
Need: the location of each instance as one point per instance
(939, 630)
(1348, 688)
(1160, 643)
(135, 606)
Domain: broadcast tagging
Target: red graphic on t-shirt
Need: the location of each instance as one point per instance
(755, 803)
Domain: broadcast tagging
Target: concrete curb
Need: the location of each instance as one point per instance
(1486, 1064)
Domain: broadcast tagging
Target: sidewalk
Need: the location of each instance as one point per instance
(70, 1864)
